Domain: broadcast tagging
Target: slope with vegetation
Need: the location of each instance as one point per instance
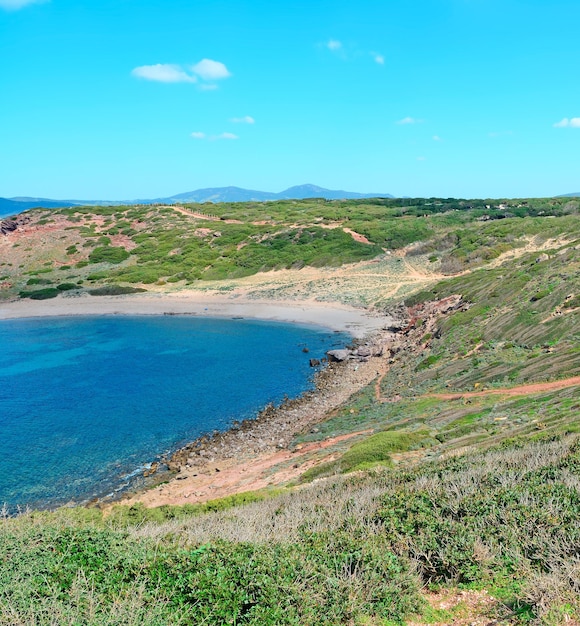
(466, 484)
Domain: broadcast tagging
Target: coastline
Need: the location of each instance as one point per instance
(246, 456)
(358, 322)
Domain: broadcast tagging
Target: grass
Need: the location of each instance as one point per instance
(179, 248)
(469, 493)
(344, 550)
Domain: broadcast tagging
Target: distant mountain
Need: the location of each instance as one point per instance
(10, 206)
(237, 194)
(221, 194)
(569, 195)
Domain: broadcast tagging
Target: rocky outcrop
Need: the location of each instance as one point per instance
(12, 224)
(8, 226)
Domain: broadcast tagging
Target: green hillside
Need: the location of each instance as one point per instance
(465, 485)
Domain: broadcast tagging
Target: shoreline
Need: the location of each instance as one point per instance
(223, 462)
(358, 322)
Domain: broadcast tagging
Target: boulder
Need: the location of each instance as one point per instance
(8, 226)
(338, 355)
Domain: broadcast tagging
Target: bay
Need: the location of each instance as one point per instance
(85, 402)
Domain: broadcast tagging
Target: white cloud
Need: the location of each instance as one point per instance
(436, 138)
(421, 158)
(210, 70)
(379, 58)
(334, 45)
(205, 70)
(14, 5)
(409, 120)
(573, 122)
(247, 119)
(163, 73)
(225, 136)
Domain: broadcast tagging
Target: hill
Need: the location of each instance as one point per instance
(446, 490)
(12, 206)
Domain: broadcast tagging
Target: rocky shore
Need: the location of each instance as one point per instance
(257, 453)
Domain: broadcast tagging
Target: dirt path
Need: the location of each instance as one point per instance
(521, 390)
(229, 477)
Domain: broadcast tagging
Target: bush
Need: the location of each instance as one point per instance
(40, 294)
(115, 290)
(108, 254)
(39, 281)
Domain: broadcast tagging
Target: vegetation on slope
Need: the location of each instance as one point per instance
(486, 490)
(354, 550)
(187, 245)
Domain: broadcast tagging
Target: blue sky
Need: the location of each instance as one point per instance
(123, 99)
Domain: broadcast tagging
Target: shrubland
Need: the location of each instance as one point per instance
(460, 484)
(192, 244)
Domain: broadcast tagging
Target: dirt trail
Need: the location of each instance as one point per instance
(226, 478)
(520, 390)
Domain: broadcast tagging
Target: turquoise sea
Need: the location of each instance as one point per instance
(87, 402)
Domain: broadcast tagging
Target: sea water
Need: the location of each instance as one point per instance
(86, 402)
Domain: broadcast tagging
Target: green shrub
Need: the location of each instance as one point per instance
(67, 286)
(115, 290)
(40, 294)
(378, 449)
(39, 281)
(108, 254)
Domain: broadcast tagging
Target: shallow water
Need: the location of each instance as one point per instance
(86, 402)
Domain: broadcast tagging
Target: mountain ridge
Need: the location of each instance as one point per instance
(9, 206)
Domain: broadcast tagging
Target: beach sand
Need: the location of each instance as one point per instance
(334, 316)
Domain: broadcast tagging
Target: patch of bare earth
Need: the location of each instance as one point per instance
(466, 608)
(520, 390)
(223, 478)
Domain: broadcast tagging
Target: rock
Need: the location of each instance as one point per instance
(395, 327)
(338, 355)
(542, 257)
(314, 362)
(364, 351)
(8, 226)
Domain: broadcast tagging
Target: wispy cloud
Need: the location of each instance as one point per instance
(247, 119)
(14, 5)
(227, 136)
(437, 138)
(206, 71)
(421, 158)
(573, 122)
(163, 73)
(351, 51)
(410, 120)
(222, 136)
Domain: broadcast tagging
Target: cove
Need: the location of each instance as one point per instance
(86, 402)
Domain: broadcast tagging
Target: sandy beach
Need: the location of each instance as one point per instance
(335, 316)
